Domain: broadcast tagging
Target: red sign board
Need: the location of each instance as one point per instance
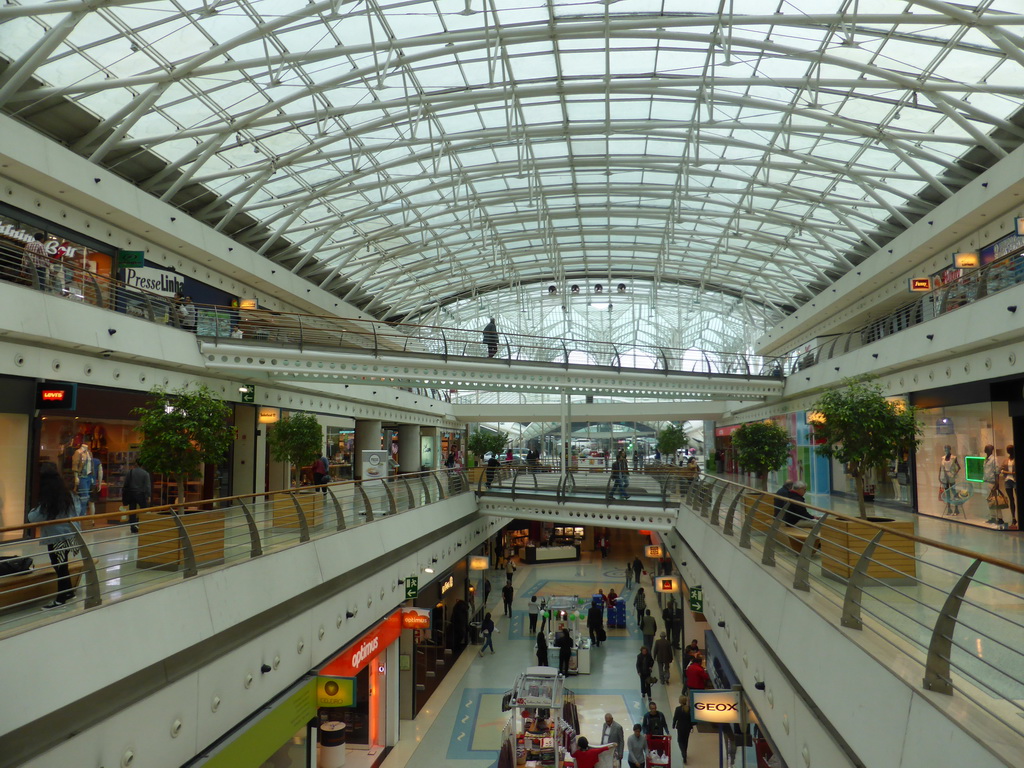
(726, 431)
(358, 655)
(56, 396)
(920, 284)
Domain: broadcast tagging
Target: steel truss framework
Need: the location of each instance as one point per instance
(448, 160)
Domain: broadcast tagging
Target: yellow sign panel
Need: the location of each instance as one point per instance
(335, 691)
(920, 284)
(654, 550)
(716, 706)
(666, 584)
(968, 260)
(478, 562)
(270, 415)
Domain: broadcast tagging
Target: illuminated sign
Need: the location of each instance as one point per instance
(131, 259)
(415, 618)
(920, 284)
(716, 706)
(249, 304)
(653, 550)
(335, 691)
(479, 563)
(666, 584)
(53, 396)
(967, 260)
(974, 469)
(369, 646)
(270, 415)
(697, 599)
(1020, 226)
(447, 584)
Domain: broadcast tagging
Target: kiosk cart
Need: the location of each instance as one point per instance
(541, 733)
(572, 612)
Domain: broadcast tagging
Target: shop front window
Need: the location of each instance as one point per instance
(340, 447)
(963, 448)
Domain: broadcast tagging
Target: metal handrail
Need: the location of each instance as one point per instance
(977, 284)
(938, 612)
(177, 541)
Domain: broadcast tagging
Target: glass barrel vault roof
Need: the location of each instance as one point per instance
(446, 160)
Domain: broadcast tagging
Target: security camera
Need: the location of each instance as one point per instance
(106, 353)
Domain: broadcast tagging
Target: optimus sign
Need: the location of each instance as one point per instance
(356, 656)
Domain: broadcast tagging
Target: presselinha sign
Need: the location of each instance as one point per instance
(716, 706)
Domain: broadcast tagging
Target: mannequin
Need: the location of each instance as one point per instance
(1008, 473)
(949, 471)
(82, 467)
(991, 477)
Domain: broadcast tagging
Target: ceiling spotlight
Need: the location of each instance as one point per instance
(598, 288)
(552, 290)
(574, 288)
(428, 569)
(621, 287)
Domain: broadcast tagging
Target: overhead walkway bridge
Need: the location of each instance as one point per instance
(308, 348)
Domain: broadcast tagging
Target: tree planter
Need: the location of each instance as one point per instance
(764, 514)
(160, 545)
(843, 541)
(311, 503)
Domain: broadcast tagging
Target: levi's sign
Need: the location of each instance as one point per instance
(716, 706)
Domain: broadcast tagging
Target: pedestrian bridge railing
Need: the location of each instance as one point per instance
(953, 615)
(109, 562)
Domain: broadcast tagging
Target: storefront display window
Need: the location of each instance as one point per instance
(340, 445)
(955, 472)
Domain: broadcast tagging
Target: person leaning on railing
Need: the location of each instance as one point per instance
(56, 502)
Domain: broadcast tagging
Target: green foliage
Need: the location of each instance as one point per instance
(182, 430)
(297, 439)
(482, 442)
(671, 439)
(862, 429)
(761, 447)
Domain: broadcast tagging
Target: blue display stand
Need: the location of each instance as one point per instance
(617, 613)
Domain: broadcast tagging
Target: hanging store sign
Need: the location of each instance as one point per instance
(966, 260)
(715, 706)
(666, 584)
(51, 396)
(153, 280)
(415, 618)
(654, 550)
(131, 259)
(447, 584)
(270, 415)
(369, 646)
(412, 587)
(920, 284)
(335, 691)
(479, 562)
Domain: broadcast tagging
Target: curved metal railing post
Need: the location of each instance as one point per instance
(408, 492)
(301, 516)
(91, 575)
(426, 489)
(730, 515)
(936, 668)
(188, 553)
(748, 520)
(389, 491)
(339, 512)
(802, 577)
(255, 545)
(367, 506)
(855, 585)
(440, 487)
(717, 506)
(704, 494)
(772, 539)
(691, 493)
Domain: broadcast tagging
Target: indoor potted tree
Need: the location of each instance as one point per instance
(761, 447)
(297, 440)
(482, 442)
(861, 428)
(182, 431)
(671, 438)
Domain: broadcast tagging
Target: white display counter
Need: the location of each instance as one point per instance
(549, 554)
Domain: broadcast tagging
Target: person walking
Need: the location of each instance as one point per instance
(321, 473)
(35, 259)
(507, 594)
(487, 590)
(620, 476)
(645, 669)
(490, 334)
(492, 469)
(648, 627)
(544, 614)
(56, 502)
(136, 492)
(542, 650)
(595, 623)
(510, 566)
(611, 733)
(532, 610)
(654, 722)
(683, 724)
(563, 641)
(487, 630)
(637, 568)
(629, 576)
(636, 748)
(662, 653)
(640, 604)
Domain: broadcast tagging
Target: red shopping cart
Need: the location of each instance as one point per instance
(659, 751)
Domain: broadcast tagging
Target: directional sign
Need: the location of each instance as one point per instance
(248, 393)
(412, 587)
(697, 599)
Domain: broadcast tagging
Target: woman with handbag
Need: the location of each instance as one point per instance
(1009, 476)
(996, 498)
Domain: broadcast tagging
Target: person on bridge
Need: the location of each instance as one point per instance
(491, 338)
(620, 476)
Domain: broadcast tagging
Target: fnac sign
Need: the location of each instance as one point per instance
(354, 658)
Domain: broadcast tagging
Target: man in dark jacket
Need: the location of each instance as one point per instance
(507, 594)
(797, 513)
(595, 623)
(490, 333)
(563, 641)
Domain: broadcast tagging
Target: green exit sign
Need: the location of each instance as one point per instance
(131, 258)
(248, 393)
(697, 599)
(412, 587)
